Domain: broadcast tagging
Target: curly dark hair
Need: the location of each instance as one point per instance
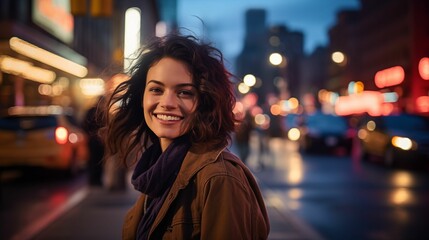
(125, 129)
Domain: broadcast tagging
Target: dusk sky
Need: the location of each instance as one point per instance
(223, 20)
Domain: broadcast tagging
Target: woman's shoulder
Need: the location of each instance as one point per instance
(226, 164)
(219, 162)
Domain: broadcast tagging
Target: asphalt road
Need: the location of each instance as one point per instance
(332, 197)
(342, 198)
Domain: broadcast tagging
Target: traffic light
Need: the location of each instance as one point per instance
(97, 8)
(101, 8)
(78, 7)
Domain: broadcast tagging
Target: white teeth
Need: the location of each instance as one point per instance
(167, 117)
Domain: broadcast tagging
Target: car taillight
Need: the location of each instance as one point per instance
(61, 135)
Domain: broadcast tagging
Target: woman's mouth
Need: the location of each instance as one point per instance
(166, 117)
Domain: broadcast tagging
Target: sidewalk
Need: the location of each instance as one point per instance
(99, 214)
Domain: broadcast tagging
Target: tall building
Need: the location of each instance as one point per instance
(314, 71)
(252, 59)
(261, 41)
(290, 44)
(343, 39)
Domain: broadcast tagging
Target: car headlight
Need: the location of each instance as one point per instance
(294, 134)
(403, 143)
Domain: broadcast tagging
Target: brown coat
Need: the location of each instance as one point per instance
(214, 196)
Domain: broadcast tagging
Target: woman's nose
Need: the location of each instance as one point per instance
(168, 100)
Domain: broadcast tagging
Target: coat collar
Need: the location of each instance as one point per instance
(196, 159)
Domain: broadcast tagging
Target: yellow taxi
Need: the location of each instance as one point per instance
(43, 136)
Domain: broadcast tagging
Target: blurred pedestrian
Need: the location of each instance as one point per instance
(91, 125)
(115, 177)
(177, 107)
(264, 147)
(242, 136)
(276, 128)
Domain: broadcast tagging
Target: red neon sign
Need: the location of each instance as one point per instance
(424, 68)
(54, 16)
(389, 77)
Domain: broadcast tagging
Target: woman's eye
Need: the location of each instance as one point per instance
(155, 90)
(186, 93)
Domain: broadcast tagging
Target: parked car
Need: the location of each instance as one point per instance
(325, 133)
(395, 139)
(291, 124)
(42, 137)
(290, 121)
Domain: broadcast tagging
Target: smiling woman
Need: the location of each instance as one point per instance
(176, 113)
(169, 101)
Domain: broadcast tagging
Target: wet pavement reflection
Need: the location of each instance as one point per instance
(341, 198)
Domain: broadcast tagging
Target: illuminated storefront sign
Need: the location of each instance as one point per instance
(25, 69)
(54, 16)
(46, 57)
(370, 102)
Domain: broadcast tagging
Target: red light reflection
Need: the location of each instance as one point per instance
(58, 199)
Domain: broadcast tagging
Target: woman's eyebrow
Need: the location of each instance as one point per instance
(155, 82)
(177, 86)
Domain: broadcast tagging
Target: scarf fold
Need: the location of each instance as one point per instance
(154, 175)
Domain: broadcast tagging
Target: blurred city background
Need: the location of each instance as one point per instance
(333, 97)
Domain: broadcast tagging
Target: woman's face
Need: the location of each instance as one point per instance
(169, 100)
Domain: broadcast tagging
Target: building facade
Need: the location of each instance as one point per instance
(386, 44)
(282, 80)
(50, 49)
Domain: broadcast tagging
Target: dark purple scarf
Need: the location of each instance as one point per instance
(154, 175)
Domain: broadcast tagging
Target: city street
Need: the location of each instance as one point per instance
(344, 199)
(308, 197)
(31, 200)
(329, 100)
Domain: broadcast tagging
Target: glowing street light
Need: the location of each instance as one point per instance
(338, 57)
(276, 59)
(243, 88)
(249, 80)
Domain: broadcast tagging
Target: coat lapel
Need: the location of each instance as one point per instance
(194, 161)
